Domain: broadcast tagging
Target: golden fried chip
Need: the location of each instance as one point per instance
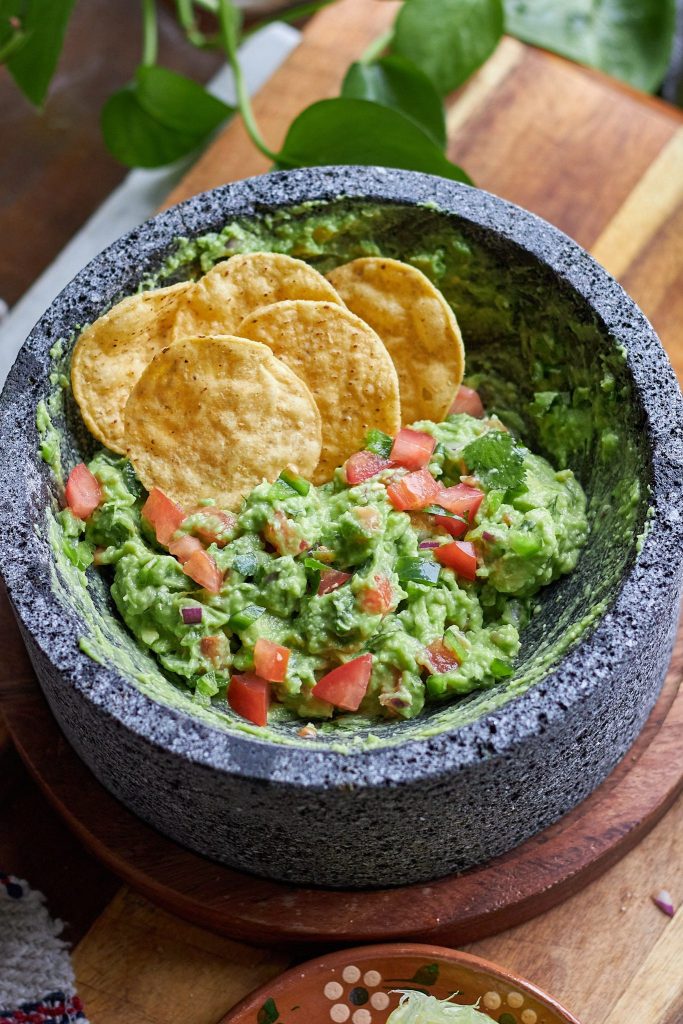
(211, 417)
(219, 301)
(417, 326)
(344, 363)
(113, 351)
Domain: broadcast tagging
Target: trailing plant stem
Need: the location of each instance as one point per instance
(149, 32)
(226, 16)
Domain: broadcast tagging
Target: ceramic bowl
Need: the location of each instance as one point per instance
(359, 986)
(464, 783)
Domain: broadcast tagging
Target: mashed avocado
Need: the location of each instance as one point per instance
(538, 356)
(432, 633)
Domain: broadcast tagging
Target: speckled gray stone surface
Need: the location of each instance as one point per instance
(419, 809)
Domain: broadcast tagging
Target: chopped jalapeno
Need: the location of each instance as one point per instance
(244, 618)
(296, 482)
(378, 442)
(245, 565)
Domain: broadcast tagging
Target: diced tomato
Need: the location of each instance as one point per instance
(214, 647)
(162, 514)
(201, 568)
(468, 400)
(332, 579)
(414, 491)
(213, 525)
(346, 686)
(368, 517)
(378, 599)
(249, 696)
(363, 465)
(440, 658)
(184, 547)
(455, 527)
(412, 448)
(83, 492)
(270, 660)
(459, 556)
(462, 500)
(283, 535)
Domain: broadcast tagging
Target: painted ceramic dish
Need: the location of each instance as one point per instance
(359, 986)
(399, 802)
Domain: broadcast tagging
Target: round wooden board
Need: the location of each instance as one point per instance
(500, 894)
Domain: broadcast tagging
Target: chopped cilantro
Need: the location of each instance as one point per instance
(495, 459)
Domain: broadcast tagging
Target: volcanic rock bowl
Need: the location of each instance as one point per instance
(465, 782)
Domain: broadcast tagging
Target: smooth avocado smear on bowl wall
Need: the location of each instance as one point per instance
(438, 572)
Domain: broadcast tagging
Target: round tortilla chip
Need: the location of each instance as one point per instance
(343, 362)
(211, 417)
(111, 354)
(219, 301)
(417, 326)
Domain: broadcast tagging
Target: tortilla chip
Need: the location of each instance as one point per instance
(417, 326)
(111, 354)
(211, 417)
(219, 301)
(343, 362)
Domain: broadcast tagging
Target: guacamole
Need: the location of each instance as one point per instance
(334, 573)
(537, 356)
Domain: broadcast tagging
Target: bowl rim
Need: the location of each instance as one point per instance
(322, 965)
(198, 741)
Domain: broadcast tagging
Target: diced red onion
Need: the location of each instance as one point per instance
(193, 615)
(664, 902)
(488, 536)
(429, 544)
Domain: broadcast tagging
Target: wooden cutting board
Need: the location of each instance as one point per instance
(606, 165)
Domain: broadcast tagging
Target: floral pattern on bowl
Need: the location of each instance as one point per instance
(362, 986)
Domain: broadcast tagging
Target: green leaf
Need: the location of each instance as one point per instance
(418, 570)
(397, 83)
(448, 39)
(136, 138)
(44, 22)
(630, 39)
(179, 102)
(345, 131)
(268, 1013)
(496, 460)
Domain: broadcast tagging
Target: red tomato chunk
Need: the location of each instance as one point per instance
(162, 514)
(412, 448)
(184, 547)
(459, 556)
(201, 568)
(345, 687)
(467, 400)
(331, 580)
(249, 697)
(440, 658)
(271, 660)
(463, 501)
(378, 600)
(83, 492)
(414, 491)
(363, 465)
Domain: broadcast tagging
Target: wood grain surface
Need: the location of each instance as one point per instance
(604, 164)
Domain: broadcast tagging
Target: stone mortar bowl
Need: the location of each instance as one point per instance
(462, 784)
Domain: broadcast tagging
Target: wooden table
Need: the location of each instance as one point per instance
(606, 165)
